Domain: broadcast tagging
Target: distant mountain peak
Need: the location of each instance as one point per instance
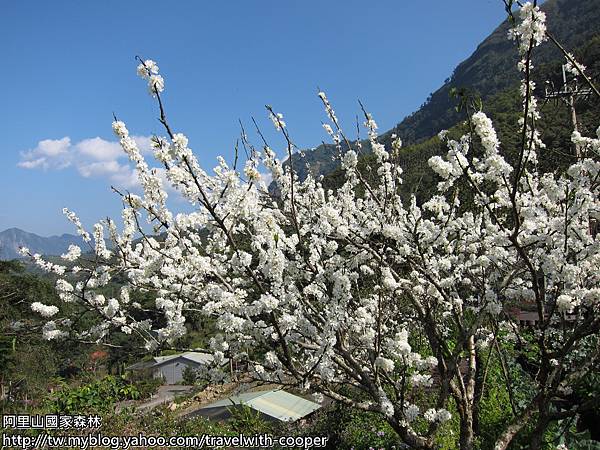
(13, 238)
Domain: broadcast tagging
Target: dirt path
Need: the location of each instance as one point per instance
(165, 394)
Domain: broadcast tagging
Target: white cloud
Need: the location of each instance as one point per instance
(33, 163)
(52, 148)
(99, 149)
(99, 168)
(48, 154)
(92, 158)
(121, 175)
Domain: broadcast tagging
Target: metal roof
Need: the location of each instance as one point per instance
(141, 365)
(197, 357)
(200, 358)
(278, 404)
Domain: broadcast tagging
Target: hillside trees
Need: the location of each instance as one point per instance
(389, 306)
(27, 362)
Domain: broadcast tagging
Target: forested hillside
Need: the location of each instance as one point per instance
(504, 108)
(490, 71)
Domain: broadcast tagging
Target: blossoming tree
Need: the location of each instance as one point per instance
(382, 305)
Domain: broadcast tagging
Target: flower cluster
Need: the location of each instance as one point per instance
(44, 310)
(148, 70)
(437, 415)
(573, 67)
(531, 30)
(277, 119)
(73, 253)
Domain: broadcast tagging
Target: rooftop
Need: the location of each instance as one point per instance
(197, 357)
(278, 404)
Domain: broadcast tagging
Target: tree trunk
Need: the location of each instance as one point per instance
(513, 429)
(466, 430)
(537, 436)
(410, 437)
(469, 397)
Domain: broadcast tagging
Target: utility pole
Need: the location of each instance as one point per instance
(568, 93)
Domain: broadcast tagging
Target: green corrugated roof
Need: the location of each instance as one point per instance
(275, 403)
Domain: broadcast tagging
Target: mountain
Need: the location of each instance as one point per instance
(490, 70)
(505, 110)
(13, 238)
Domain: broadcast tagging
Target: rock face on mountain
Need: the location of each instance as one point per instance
(13, 238)
(490, 70)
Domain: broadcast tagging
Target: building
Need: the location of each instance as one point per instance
(171, 367)
(531, 318)
(273, 405)
(528, 318)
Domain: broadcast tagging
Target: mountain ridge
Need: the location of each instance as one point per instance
(489, 70)
(13, 238)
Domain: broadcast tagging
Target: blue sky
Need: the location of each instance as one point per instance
(68, 65)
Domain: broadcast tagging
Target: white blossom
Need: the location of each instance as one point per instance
(532, 27)
(73, 253)
(411, 413)
(51, 332)
(44, 310)
(147, 68)
(565, 303)
(384, 363)
(277, 119)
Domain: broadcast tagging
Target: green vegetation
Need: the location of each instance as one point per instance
(99, 396)
(29, 363)
(189, 375)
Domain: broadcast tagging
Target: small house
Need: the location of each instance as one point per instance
(171, 367)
